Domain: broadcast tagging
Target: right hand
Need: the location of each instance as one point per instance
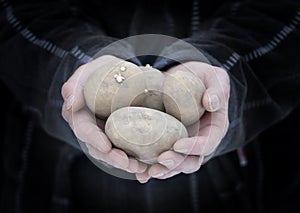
(86, 127)
(188, 153)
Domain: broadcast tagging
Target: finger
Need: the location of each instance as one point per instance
(211, 100)
(65, 113)
(190, 164)
(213, 127)
(118, 158)
(215, 79)
(186, 164)
(217, 93)
(169, 175)
(215, 98)
(143, 177)
(86, 129)
(170, 159)
(157, 170)
(115, 158)
(190, 146)
(200, 145)
(142, 167)
(210, 137)
(218, 119)
(133, 165)
(95, 153)
(72, 90)
(83, 72)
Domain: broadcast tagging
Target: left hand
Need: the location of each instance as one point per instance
(189, 153)
(85, 126)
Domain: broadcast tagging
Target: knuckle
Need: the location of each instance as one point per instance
(67, 89)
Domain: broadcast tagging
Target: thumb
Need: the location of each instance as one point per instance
(211, 100)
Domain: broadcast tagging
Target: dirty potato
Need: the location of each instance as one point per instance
(143, 132)
(182, 96)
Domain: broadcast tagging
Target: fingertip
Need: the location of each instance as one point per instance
(142, 167)
(182, 146)
(211, 101)
(133, 165)
(142, 177)
(157, 170)
(119, 158)
(165, 155)
(169, 175)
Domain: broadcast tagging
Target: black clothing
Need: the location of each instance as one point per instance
(256, 41)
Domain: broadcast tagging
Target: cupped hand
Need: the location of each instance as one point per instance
(86, 127)
(204, 136)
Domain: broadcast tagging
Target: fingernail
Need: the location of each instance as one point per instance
(168, 163)
(181, 150)
(69, 102)
(214, 102)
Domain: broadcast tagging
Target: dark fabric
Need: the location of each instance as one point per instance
(43, 42)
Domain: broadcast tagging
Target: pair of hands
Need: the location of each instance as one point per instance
(187, 154)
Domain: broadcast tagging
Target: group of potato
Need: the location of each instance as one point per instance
(146, 111)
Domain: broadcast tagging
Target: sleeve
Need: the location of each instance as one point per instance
(41, 44)
(257, 43)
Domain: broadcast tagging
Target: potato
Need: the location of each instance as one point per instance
(116, 85)
(143, 132)
(182, 96)
(102, 86)
(152, 96)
